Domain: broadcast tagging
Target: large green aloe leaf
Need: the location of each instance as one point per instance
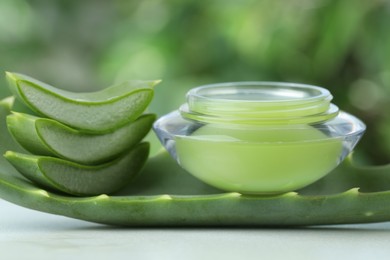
(163, 194)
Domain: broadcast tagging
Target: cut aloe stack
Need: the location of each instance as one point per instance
(85, 143)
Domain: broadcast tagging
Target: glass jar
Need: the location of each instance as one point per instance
(259, 137)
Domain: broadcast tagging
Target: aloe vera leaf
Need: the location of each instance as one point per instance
(288, 209)
(96, 112)
(163, 194)
(43, 136)
(77, 179)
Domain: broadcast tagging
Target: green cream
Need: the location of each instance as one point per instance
(259, 137)
(258, 160)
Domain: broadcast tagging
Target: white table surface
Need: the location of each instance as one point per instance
(27, 234)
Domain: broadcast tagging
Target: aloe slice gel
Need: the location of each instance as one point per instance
(77, 179)
(43, 136)
(259, 137)
(96, 112)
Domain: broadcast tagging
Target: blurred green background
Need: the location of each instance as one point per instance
(342, 45)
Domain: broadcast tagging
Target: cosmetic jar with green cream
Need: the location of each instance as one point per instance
(259, 137)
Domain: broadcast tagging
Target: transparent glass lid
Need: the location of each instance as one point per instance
(259, 103)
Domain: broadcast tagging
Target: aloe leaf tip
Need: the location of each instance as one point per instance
(9, 153)
(8, 101)
(155, 82)
(10, 75)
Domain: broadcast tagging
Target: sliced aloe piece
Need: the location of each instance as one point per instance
(97, 112)
(43, 136)
(77, 179)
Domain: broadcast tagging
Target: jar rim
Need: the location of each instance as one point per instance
(308, 93)
(260, 101)
(331, 113)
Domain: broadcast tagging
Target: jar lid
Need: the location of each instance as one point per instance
(259, 103)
